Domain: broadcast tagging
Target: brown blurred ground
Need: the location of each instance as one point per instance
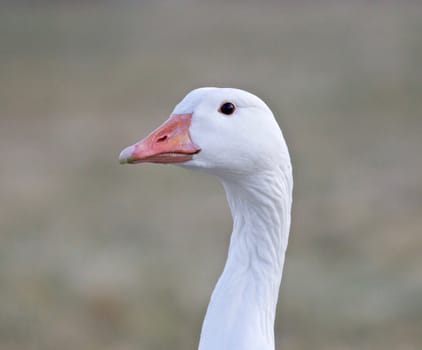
(98, 256)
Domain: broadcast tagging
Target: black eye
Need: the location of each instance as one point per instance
(227, 108)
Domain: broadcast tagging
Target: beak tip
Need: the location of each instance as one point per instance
(126, 155)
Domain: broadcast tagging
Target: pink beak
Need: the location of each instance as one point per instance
(169, 143)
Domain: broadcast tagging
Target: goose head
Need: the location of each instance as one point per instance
(222, 131)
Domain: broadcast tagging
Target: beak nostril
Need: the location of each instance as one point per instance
(162, 139)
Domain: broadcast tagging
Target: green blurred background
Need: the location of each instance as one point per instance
(94, 255)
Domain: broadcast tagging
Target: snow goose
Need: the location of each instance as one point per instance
(233, 135)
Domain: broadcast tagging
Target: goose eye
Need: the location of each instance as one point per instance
(227, 108)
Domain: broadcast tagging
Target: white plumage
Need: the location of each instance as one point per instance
(233, 135)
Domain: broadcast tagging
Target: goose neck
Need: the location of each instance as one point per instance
(241, 313)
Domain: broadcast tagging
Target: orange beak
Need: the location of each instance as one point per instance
(169, 143)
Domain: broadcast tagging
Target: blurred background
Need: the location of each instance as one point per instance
(94, 255)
